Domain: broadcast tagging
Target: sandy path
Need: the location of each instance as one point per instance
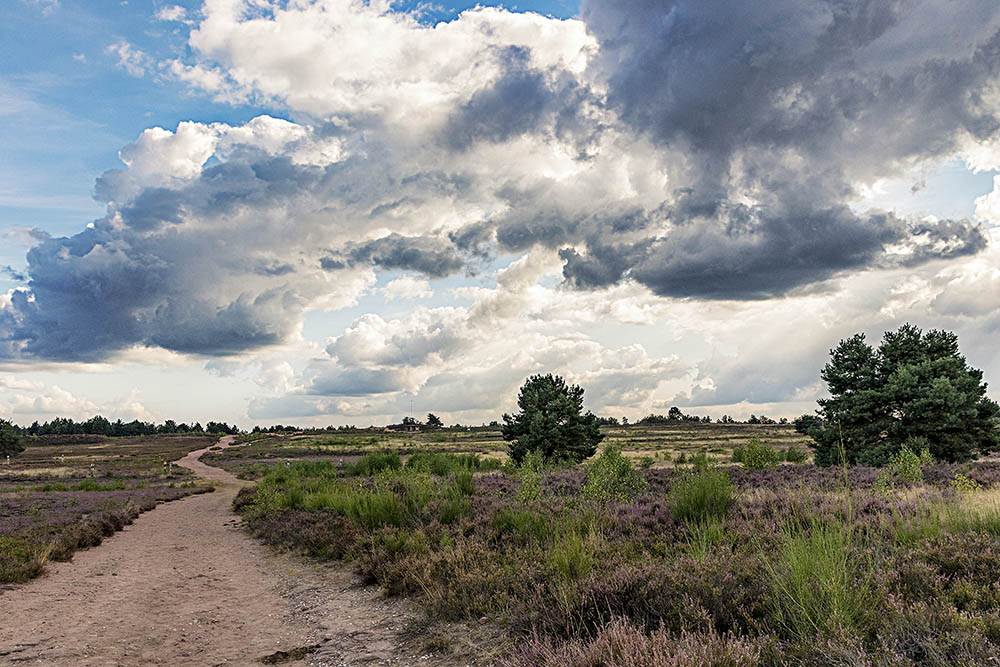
(184, 585)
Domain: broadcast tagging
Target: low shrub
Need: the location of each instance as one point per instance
(699, 460)
(611, 478)
(964, 484)
(572, 555)
(21, 559)
(521, 525)
(529, 472)
(795, 455)
(755, 455)
(704, 535)
(703, 494)
(375, 462)
(622, 644)
(905, 467)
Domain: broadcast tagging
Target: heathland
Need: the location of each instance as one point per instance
(677, 544)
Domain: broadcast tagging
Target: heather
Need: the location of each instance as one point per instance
(58, 497)
(608, 564)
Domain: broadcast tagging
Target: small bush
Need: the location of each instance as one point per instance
(520, 524)
(705, 534)
(375, 462)
(964, 484)
(21, 559)
(905, 466)
(702, 495)
(620, 643)
(758, 456)
(795, 455)
(700, 460)
(611, 478)
(530, 474)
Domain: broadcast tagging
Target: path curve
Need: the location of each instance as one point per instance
(183, 585)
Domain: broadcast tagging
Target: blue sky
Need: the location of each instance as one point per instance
(508, 195)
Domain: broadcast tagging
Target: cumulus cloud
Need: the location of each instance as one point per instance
(704, 151)
(407, 289)
(171, 13)
(467, 360)
(130, 59)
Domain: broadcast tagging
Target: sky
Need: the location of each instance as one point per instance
(331, 212)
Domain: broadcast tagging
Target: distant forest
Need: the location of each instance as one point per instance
(98, 425)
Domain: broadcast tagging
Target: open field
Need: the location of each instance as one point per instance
(60, 496)
(663, 444)
(672, 565)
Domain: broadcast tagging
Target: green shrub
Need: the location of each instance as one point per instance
(21, 559)
(904, 466)
(964, 484)
(700, 460)
(701, 495)
(530, 474)
(522, 525)
(375, 462)
(611, 478)
(795, 455)
(908, 466)
(401, 543)
(758, 456)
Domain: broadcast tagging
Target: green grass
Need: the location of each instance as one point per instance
(520, 524)
(703, 494)
(21, 559)
(375, 462)
(817, 583)
(446, 463)
(705, 534)
(572, 555)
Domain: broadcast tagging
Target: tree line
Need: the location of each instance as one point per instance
(99, 425)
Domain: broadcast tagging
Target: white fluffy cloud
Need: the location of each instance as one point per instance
(647, 173)
(407, 288)
(171, 13)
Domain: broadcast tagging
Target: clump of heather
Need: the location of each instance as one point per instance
(621, 644)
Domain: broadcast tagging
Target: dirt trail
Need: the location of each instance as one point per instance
(184, 585)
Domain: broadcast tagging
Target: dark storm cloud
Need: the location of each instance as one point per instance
(786, 103)
(424, 254)
(153, 281)
(356, 381)
(13, 273)
(522, 100)
(153, 208)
